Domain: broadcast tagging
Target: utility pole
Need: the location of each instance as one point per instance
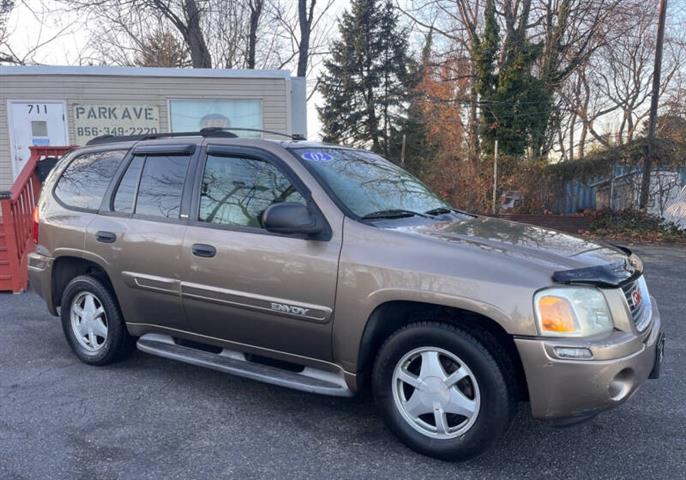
(652, 122)
(495, 175)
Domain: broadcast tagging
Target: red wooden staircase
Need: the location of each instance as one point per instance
(16, 222)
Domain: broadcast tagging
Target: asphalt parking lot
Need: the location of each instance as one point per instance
(154, 418)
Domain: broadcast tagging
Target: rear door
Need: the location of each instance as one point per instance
(139, 233)
(244, 284)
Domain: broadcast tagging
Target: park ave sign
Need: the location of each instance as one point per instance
(95, 119)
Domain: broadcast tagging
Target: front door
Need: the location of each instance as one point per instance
(34, 123)
(243, 284)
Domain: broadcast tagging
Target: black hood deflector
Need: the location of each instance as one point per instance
(610, 275)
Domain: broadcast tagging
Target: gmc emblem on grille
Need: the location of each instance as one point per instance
(636, 298)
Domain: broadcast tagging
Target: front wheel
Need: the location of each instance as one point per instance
(442, 391)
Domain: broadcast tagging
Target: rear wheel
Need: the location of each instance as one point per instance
(92, 322)
(442, 391)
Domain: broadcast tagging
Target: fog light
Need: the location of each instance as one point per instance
(621, 385)
(573, 352)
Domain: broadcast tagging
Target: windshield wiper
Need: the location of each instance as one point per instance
(439, 211)
(393, 213)
(445, 210)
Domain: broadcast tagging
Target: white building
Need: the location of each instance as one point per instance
(71, 105)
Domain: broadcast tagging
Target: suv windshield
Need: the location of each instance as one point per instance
(370, 186)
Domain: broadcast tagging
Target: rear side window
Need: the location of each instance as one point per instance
(84, 182)
(128, 187)
(235, 191)
(153, 186)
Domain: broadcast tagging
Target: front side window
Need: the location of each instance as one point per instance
(153, 186)
(367, 184)
(85, 180)
(235, 191)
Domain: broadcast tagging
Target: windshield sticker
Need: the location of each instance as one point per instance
(315, 156)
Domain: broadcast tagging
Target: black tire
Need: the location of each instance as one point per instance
(483, 356)
(118, 344)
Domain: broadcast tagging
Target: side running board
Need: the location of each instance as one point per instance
(309, 380)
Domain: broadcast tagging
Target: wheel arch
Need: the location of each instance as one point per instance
(390, 316)
(67, 267)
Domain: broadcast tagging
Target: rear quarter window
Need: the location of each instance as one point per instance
(84, 182)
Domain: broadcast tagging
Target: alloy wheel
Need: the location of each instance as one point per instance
(436, 392)
(89, 321)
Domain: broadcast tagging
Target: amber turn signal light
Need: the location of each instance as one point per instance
(556, 315)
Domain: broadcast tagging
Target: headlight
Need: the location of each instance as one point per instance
(572, 312)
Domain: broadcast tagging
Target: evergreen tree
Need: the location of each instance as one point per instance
(367, 80)
(160, 48)
(484, 56)
(515, 105)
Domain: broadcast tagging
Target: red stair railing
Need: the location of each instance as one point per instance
(16, 223)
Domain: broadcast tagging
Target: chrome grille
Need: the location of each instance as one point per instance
(638, 300)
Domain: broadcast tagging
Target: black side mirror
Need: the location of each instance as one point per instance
(291, 218)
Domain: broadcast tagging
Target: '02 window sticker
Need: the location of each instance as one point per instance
(316, 156)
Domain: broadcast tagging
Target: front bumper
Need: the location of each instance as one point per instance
(562, 388)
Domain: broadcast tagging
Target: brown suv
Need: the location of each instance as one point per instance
(329, 269)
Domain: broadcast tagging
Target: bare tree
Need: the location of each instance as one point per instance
(304, 29)
(623, 70)
(189, 25)
(48, 31)
(6, 55)
(205, 26)
(609, 93)
(568, 32)
(121, 23)
(255, 7)
(216, 33)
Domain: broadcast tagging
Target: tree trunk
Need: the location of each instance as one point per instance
(582, 140)
(652, 122)
(255, 14)
(305, 23)
(474, 149)
(572, 124)
(193, 35)
(584, 114)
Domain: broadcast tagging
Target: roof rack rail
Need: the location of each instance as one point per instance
(294, 136)
(205, 132)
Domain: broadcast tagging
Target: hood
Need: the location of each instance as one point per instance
(570, 259)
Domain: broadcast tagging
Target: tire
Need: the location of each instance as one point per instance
(453, 422)
(96, 338)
